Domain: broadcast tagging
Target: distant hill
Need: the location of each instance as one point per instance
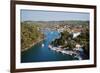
(59, 22)
(50, 24)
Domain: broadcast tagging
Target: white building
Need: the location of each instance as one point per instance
(75, 34)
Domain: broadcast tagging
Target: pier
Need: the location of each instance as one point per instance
(68, 52)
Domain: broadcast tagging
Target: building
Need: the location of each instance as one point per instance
(76, 32)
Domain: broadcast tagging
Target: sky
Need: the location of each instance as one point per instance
(34, 15)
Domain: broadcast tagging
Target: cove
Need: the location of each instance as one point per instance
(39, 53)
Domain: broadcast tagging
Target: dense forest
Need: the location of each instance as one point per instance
(30, 35)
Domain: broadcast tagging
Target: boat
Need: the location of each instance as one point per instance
(42, 45)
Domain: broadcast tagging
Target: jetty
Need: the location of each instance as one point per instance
(64, 51)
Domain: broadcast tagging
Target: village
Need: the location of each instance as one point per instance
(75, 31)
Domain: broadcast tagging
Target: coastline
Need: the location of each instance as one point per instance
(68, 52)
(22, 50)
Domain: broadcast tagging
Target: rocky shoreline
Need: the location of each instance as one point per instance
(22, 50)
(68, 52)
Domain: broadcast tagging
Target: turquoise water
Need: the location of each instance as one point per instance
(39, 53)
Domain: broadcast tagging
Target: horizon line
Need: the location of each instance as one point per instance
(52, 20)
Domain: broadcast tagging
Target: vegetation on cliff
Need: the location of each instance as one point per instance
(66, 40)
(30, 35)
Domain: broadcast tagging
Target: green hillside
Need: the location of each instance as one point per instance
(30, 35)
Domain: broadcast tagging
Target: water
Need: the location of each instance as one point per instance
(39, 53)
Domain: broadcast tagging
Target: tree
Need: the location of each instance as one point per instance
(29, 35)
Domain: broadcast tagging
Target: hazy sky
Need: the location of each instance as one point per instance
(34, 15)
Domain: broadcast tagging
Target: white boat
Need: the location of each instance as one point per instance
(50, 46)
(42, 45)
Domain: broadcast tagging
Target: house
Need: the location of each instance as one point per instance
(61, 29)
(78, 46)
(76, 32)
